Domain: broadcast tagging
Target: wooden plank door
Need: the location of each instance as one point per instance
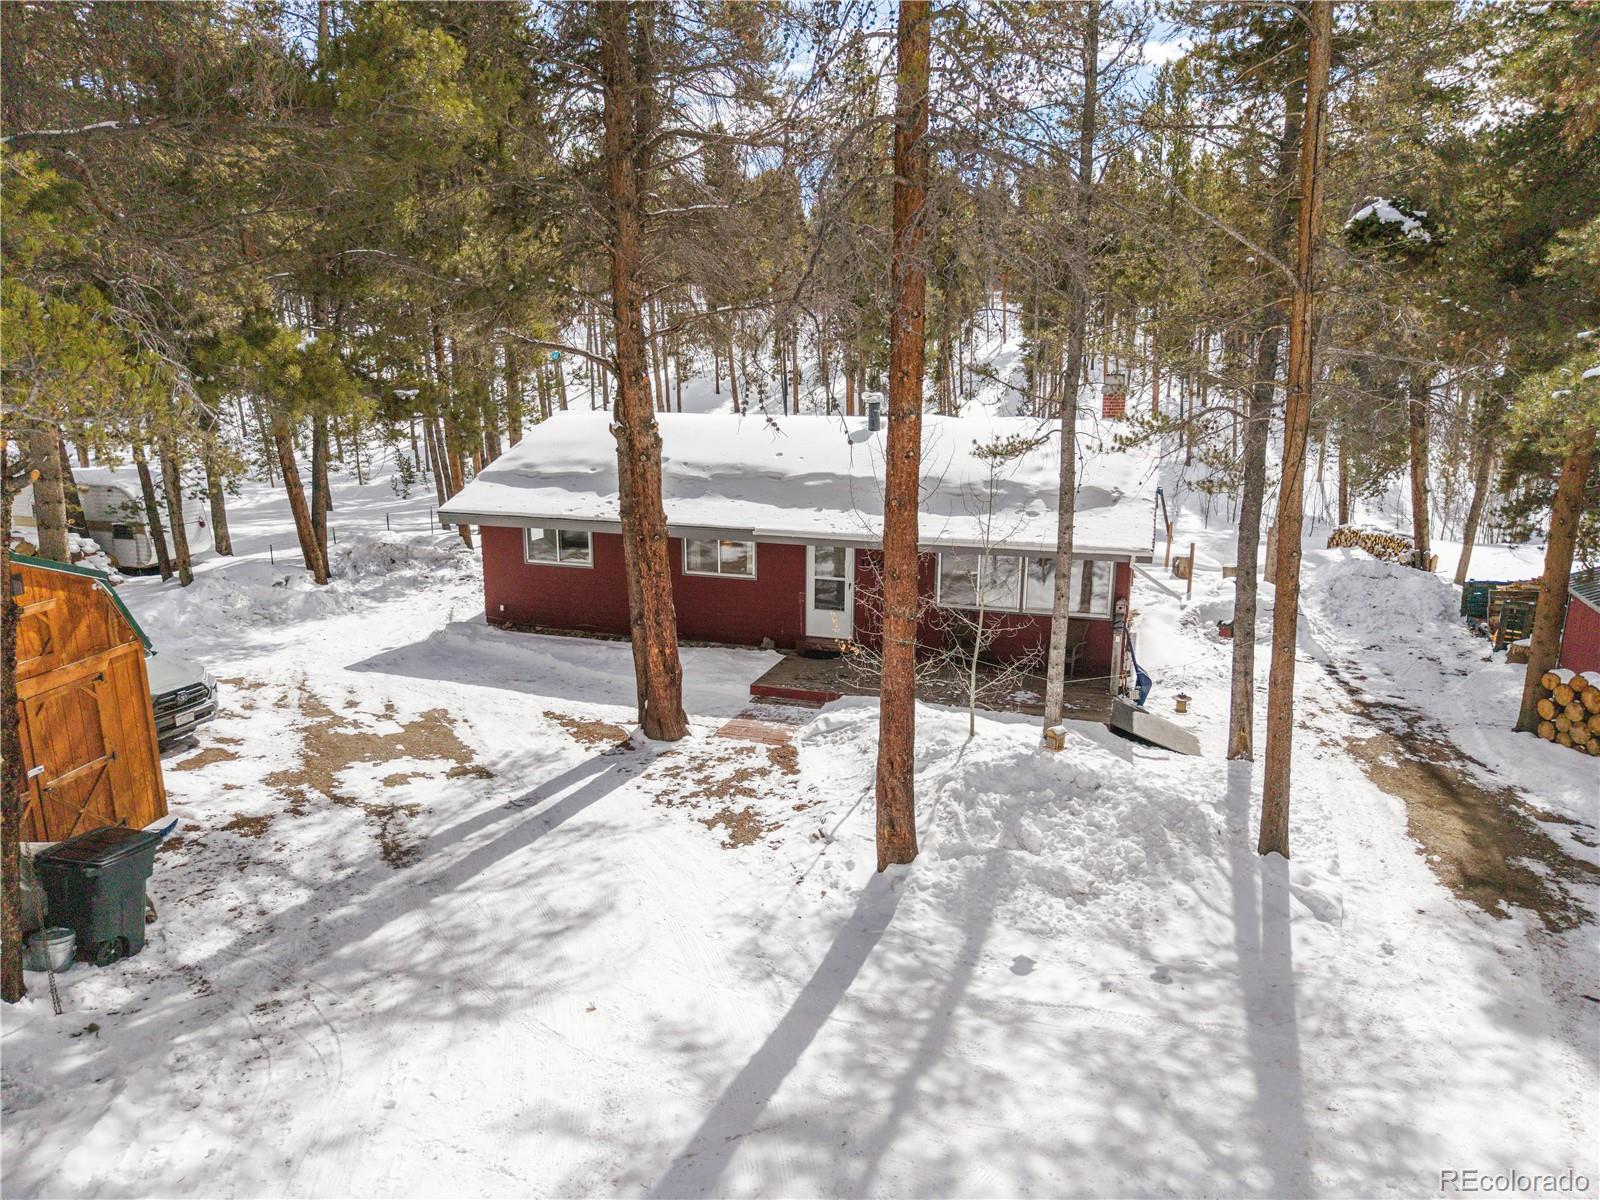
(70, 753)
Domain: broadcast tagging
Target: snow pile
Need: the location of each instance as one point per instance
(237, 596)
(1395, 635)
(367, 556)
(1105, 839)
(86, 552)
(81, 552)
(1387, 602)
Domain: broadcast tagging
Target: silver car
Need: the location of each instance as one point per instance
(183, 693)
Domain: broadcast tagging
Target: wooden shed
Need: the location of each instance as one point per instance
(1580, 634)
(87, 728)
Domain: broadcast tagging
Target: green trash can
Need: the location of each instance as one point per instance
(94, 884)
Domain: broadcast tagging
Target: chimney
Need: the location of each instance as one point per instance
(1114, 395)
(874, 413)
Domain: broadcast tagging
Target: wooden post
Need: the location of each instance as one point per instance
(1189, 589)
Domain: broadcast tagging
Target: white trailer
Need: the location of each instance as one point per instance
(113, 509)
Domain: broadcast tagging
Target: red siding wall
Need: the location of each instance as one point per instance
(1580, 640)
(740, 611)
(595, 599)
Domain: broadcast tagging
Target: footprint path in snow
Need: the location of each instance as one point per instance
(1483, 843)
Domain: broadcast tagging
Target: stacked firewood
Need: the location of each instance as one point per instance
(1569, 711)
(1383, 544)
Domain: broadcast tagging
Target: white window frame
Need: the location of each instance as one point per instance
(719, 573)
(1022, 605)
(938, 582)
(557, 561)
(1088, 565)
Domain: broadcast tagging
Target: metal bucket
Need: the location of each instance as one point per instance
(50, 949)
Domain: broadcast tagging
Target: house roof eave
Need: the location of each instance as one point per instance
(856, 540)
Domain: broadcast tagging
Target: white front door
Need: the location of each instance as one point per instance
(830, 592)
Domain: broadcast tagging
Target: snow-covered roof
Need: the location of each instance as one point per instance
(124, 478)
(820, 479)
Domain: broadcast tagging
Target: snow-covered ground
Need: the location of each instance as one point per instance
(435, 925)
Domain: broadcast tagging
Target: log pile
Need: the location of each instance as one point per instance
(1382, 544)
(1569, 710)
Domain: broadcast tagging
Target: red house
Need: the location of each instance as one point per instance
(776, 525)
(1580, 636)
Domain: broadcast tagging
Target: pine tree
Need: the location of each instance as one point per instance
(897, 704)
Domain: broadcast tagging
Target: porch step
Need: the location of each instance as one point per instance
(815, 697)
(822, 645)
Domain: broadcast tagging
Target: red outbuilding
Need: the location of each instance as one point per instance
(1580, 636)
(775, 529)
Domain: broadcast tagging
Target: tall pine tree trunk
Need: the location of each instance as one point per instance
(1417, 432)
(221, 540)
(450, 436)
(154, 527)
(172, 485)
(12, 782)
(1565, 512)
(783, 371)
(513, 396)
(1297, 426)
(1258, 422)
(626, 68)
(1067, 489)
(310, 548)
(268, 452)
(1482, 474)
(320, 503)
(897, 703)
(491, 429)
(1344, 483)
(49, 496)
(441, 473)
(76, 521)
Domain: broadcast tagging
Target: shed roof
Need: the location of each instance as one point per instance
(1586, 586)
(820, 479)
(99, 577)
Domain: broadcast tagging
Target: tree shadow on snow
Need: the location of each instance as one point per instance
(699, 1166)
(1264, 942)
(281, 997)
(582, 670)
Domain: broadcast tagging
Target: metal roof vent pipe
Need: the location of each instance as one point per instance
(874, 413)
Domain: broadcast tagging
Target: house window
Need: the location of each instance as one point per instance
(724, 557)
(563, 547)
(121, 533)
(960, 576)
(1090, 590)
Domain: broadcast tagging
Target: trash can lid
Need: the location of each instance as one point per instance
(99, 847)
